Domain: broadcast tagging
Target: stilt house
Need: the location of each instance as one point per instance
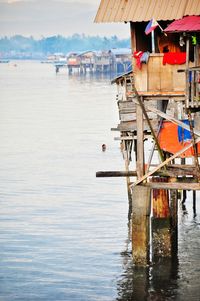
(160, 101)
(165, 72)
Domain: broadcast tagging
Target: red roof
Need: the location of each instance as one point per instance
(189, 23)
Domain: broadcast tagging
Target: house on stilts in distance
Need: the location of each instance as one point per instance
(112, 61)
(160, 102)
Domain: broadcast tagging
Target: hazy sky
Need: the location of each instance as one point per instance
(51, 17)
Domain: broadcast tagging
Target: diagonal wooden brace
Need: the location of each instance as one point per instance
(164, 163)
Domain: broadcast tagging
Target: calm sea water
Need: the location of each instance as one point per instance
(64, 232)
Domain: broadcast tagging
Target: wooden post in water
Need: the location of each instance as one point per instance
(125, 149)
(128, 189)
(194, 203)
(174, 220)
(140, 202)
(161, 233)
(141, 197)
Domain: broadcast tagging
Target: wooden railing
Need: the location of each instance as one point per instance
(193, 87)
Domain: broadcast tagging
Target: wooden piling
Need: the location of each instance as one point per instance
(161, 234)
(194, 203)
(140, 224)
(140, 142)
(173, 195)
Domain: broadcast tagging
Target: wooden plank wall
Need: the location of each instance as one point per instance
(155, 76)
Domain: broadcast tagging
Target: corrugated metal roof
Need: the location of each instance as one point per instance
(145, 10)
(189, 23)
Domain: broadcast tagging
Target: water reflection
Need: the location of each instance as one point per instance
(183, 202)
(62, 230)
(166, 279)
(95, 75)
(155, 282)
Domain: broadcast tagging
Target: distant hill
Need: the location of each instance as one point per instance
(27, 47)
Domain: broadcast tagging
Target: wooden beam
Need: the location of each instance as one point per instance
(197, 68)
(181, 170)
(187, 83)
(175, 185)
(129, 138)
(133, 36)
(130, 126)
(196, 160)
(170, 172)
(164, 95)
(126, 150)
(106, 174)
(182, 166)
(125, 138)
(140, 142)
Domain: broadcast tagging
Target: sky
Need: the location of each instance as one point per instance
(42, 18)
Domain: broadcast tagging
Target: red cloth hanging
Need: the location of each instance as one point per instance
(137, 55)
(174, 58)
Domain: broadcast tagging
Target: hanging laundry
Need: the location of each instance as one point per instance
(174, 58)
(145, 57)
(141, 57)
(137, 55)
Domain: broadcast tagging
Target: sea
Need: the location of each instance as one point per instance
(64, 233)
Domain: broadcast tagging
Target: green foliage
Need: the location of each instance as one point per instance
(53, 44)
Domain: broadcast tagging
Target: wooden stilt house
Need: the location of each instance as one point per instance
(161, 102)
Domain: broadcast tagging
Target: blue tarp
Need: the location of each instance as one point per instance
(184, 135)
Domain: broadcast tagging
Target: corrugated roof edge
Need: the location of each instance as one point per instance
(135, 11)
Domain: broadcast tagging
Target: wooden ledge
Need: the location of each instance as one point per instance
(161, 93)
